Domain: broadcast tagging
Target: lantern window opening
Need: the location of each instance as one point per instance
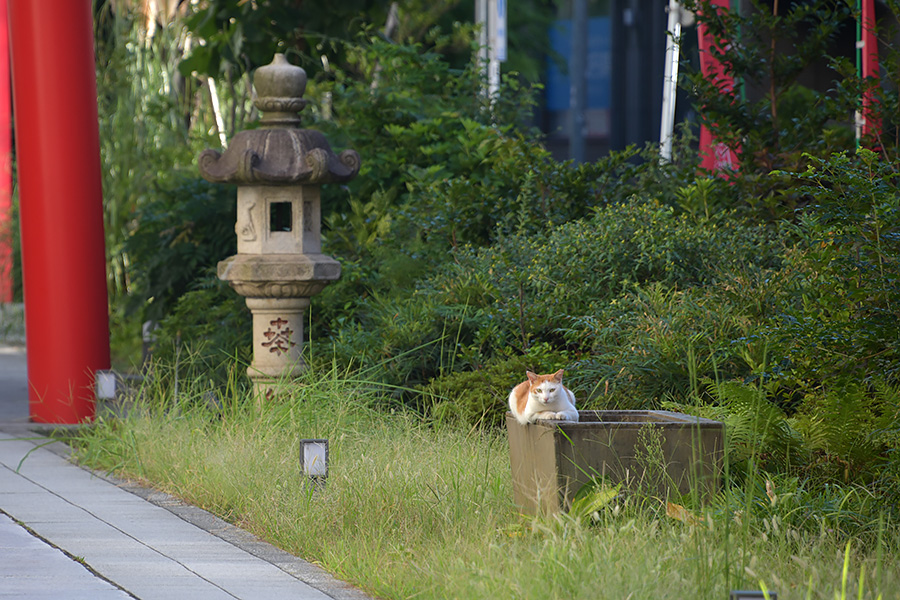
(281, 217)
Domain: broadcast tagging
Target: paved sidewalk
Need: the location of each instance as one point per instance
(66, 532)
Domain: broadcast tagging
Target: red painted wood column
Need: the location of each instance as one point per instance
(58, 164)
(715, 156)
(6, 255)
(870, 133)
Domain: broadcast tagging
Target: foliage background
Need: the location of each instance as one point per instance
(470, 253)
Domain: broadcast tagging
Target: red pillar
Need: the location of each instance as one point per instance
(6, 256)
(715, 156)
(58, 163)
(871, 121)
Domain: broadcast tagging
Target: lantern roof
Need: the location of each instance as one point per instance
(279, 152)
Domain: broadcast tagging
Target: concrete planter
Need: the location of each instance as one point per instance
(658, 450)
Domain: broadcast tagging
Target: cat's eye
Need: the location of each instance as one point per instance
(552, 390)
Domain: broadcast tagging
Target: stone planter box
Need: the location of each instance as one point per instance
(552, 460)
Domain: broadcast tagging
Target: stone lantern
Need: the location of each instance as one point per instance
(279, 265)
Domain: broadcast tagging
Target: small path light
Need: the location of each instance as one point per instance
(314, 460)
(752, 595)
(105, 383)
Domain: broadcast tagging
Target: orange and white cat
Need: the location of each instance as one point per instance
(542, 397)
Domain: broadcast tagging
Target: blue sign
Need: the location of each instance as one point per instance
(599, 65)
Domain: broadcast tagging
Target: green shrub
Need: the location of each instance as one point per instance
(399, 341)
(770, 116)
(531, 283)
(527, 290)
(841, 318)
(654, 342)
(183, 231)
(146, 139)
(481, 397)
(206, 333)
(513, 187)
(847, 431)
(411, 115)
(842, 435)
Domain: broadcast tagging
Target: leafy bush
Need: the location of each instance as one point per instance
(206, 334)
(557, 288)
(183, 231)
(410, 115)
(770, 116)
(846, 435)
(841, 320)
(146, 142)
(653, 342)
(531, 283)
(480, 397)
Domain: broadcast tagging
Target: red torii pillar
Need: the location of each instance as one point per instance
(6, 255)
(60, 198)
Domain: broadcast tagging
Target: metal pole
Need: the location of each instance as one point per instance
(493, 59)
(58, 162)
(577, 75)
(670, 82)
(481, 19)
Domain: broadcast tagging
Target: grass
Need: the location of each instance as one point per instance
(416, 510)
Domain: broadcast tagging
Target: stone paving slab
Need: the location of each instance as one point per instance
(130, 541)
(66, 532)
(31, 568)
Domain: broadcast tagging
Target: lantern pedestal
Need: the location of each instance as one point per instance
(277, 340)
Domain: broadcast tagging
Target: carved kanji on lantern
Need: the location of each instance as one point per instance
(279, 264)
(279, 339)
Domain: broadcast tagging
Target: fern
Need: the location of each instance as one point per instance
(844, 433)
(757, 427)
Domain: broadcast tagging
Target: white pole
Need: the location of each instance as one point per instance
(670, 82)
(481, 19)
(493, 47)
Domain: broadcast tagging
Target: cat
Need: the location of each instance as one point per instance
(542, 397)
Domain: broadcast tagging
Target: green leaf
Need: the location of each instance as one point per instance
(592, 497)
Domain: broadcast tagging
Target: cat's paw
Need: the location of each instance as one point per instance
(548, 416)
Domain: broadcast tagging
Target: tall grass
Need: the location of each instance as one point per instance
(422, 510)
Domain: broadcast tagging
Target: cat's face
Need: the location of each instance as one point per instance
(544, 388)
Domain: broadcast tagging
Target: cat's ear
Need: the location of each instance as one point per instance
(557, 377)
(531, 376)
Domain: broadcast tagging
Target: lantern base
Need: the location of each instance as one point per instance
(277, 340)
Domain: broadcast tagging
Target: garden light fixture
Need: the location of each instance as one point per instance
(105, 384)
(752, 595)
(314, 459)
